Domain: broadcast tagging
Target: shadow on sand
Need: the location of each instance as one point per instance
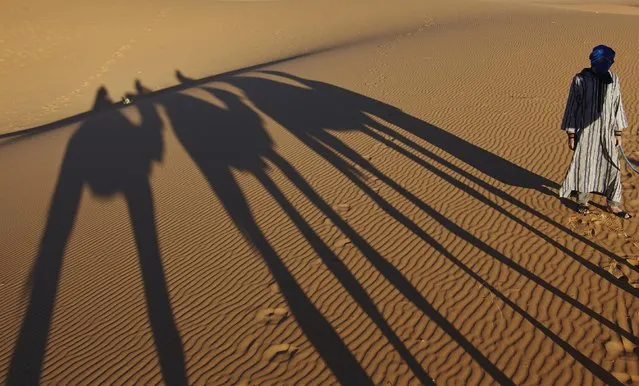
(111, 156)
(220, 139)
(320, 109)
(313, 111)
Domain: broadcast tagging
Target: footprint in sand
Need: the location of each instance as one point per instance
(247, 342)
(372, 179)
(577, 224)
(272, 315)
(620, 346)
(614, 349)
(283, 351)
(613, 236)
(615, 269)
(327, 225)
(341, 243)
(343, 208)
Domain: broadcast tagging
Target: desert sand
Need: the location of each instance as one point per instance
(357, 192)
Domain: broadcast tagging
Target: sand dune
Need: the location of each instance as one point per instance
(379, 208)
(53, 57)
(618, 9)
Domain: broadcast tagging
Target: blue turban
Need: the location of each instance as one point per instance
(601, 58)
(602, 53)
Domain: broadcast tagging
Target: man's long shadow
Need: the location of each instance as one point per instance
(312, 111)
(110, 155)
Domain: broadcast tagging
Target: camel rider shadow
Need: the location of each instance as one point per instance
(323, 108)
(110, 156)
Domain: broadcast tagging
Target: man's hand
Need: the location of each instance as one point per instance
(571, 143)
(617, 140)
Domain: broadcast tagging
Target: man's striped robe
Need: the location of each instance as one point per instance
(594, 112)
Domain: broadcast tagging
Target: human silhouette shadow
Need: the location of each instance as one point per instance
(321, 108)
(110, 156)
(311, 115)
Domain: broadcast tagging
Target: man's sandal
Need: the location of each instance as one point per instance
(583, 209)
(620, 213)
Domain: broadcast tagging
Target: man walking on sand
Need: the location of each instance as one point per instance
(594, 119)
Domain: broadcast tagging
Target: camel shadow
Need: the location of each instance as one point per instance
(322, 109)
(219, 139)
(314, 111)
(110, 156)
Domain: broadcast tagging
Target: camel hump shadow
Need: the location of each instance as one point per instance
(109, 154)
(314, 108)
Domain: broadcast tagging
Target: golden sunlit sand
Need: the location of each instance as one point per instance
(308, 192)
